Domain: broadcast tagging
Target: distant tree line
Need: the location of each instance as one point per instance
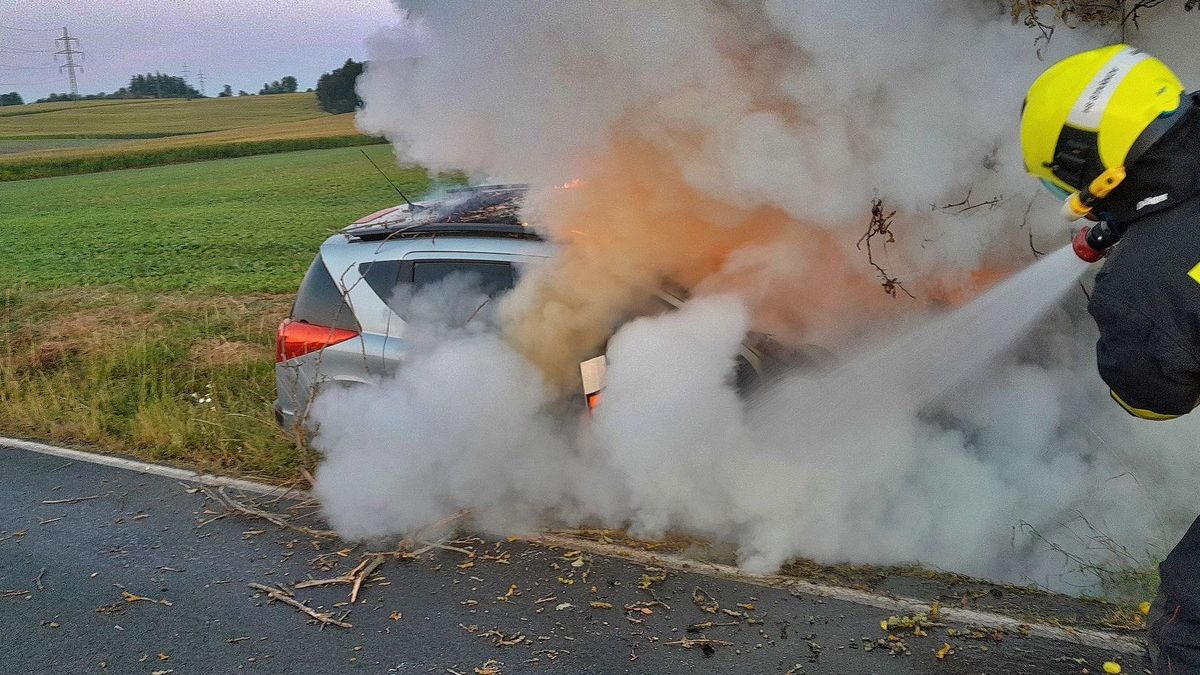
(286, 85)
(335, 90)
(150, 85)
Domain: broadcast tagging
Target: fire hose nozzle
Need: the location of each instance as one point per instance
(1083, 249)
(1092, 243)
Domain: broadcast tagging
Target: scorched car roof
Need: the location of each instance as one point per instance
(481, 211)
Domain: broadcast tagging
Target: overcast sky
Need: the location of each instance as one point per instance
(240, 42)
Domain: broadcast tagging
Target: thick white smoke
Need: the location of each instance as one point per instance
(739, 145)
(835, 468)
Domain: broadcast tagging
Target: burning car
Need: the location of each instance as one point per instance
(354, 309)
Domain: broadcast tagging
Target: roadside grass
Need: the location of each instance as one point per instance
(129, 297)
(181, 378)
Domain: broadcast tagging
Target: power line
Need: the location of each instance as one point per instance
(201, 78)
(26, 84)
(26, 30)
(69, 53)
(19, 50)
(186, 73)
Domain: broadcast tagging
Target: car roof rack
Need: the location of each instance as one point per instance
(494, 186)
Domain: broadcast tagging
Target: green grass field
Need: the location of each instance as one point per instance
(238, 225)
(59, 139)
(128, 296)
(39, 145)
(38, 108)
(146, 118)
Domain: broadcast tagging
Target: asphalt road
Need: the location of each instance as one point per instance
(65, 570)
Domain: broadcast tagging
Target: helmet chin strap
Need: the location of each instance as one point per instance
(1080, 204)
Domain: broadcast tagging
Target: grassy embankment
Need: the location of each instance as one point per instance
(123, 294)
(56, 139)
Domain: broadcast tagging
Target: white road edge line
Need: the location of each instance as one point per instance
(148, 468)
(1087, 637)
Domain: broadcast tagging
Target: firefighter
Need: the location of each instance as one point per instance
(1114, 134)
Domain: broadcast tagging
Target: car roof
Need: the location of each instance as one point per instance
(481, 211)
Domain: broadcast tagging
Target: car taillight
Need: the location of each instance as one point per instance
(297, 338)
(594, 373)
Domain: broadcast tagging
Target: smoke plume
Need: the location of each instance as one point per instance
(736, 148)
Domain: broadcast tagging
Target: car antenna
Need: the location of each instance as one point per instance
(412, 208)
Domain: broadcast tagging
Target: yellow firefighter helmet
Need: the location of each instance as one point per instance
(1090, 115)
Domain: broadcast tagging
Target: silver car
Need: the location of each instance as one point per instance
(347, 327)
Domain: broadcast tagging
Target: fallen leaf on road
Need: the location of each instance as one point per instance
(653, 575)
(706, 602)
(511, 593)
(491, 667)
(600, 605)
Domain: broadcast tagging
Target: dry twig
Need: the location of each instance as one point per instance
(688, 643)
(966, 205)
(70, 500)
(234, 505)
(374, 563)
(285, 598)
(881, 226)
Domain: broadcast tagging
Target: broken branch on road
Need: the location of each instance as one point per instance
(706, 645)
(236, 506)
(70, 500)
(287, 599)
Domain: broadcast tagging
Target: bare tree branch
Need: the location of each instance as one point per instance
(881, 226)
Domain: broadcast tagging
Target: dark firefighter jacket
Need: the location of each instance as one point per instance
(1147, 296)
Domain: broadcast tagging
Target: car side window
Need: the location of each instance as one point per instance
(490, 278)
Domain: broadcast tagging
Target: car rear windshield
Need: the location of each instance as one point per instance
(321, 302)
